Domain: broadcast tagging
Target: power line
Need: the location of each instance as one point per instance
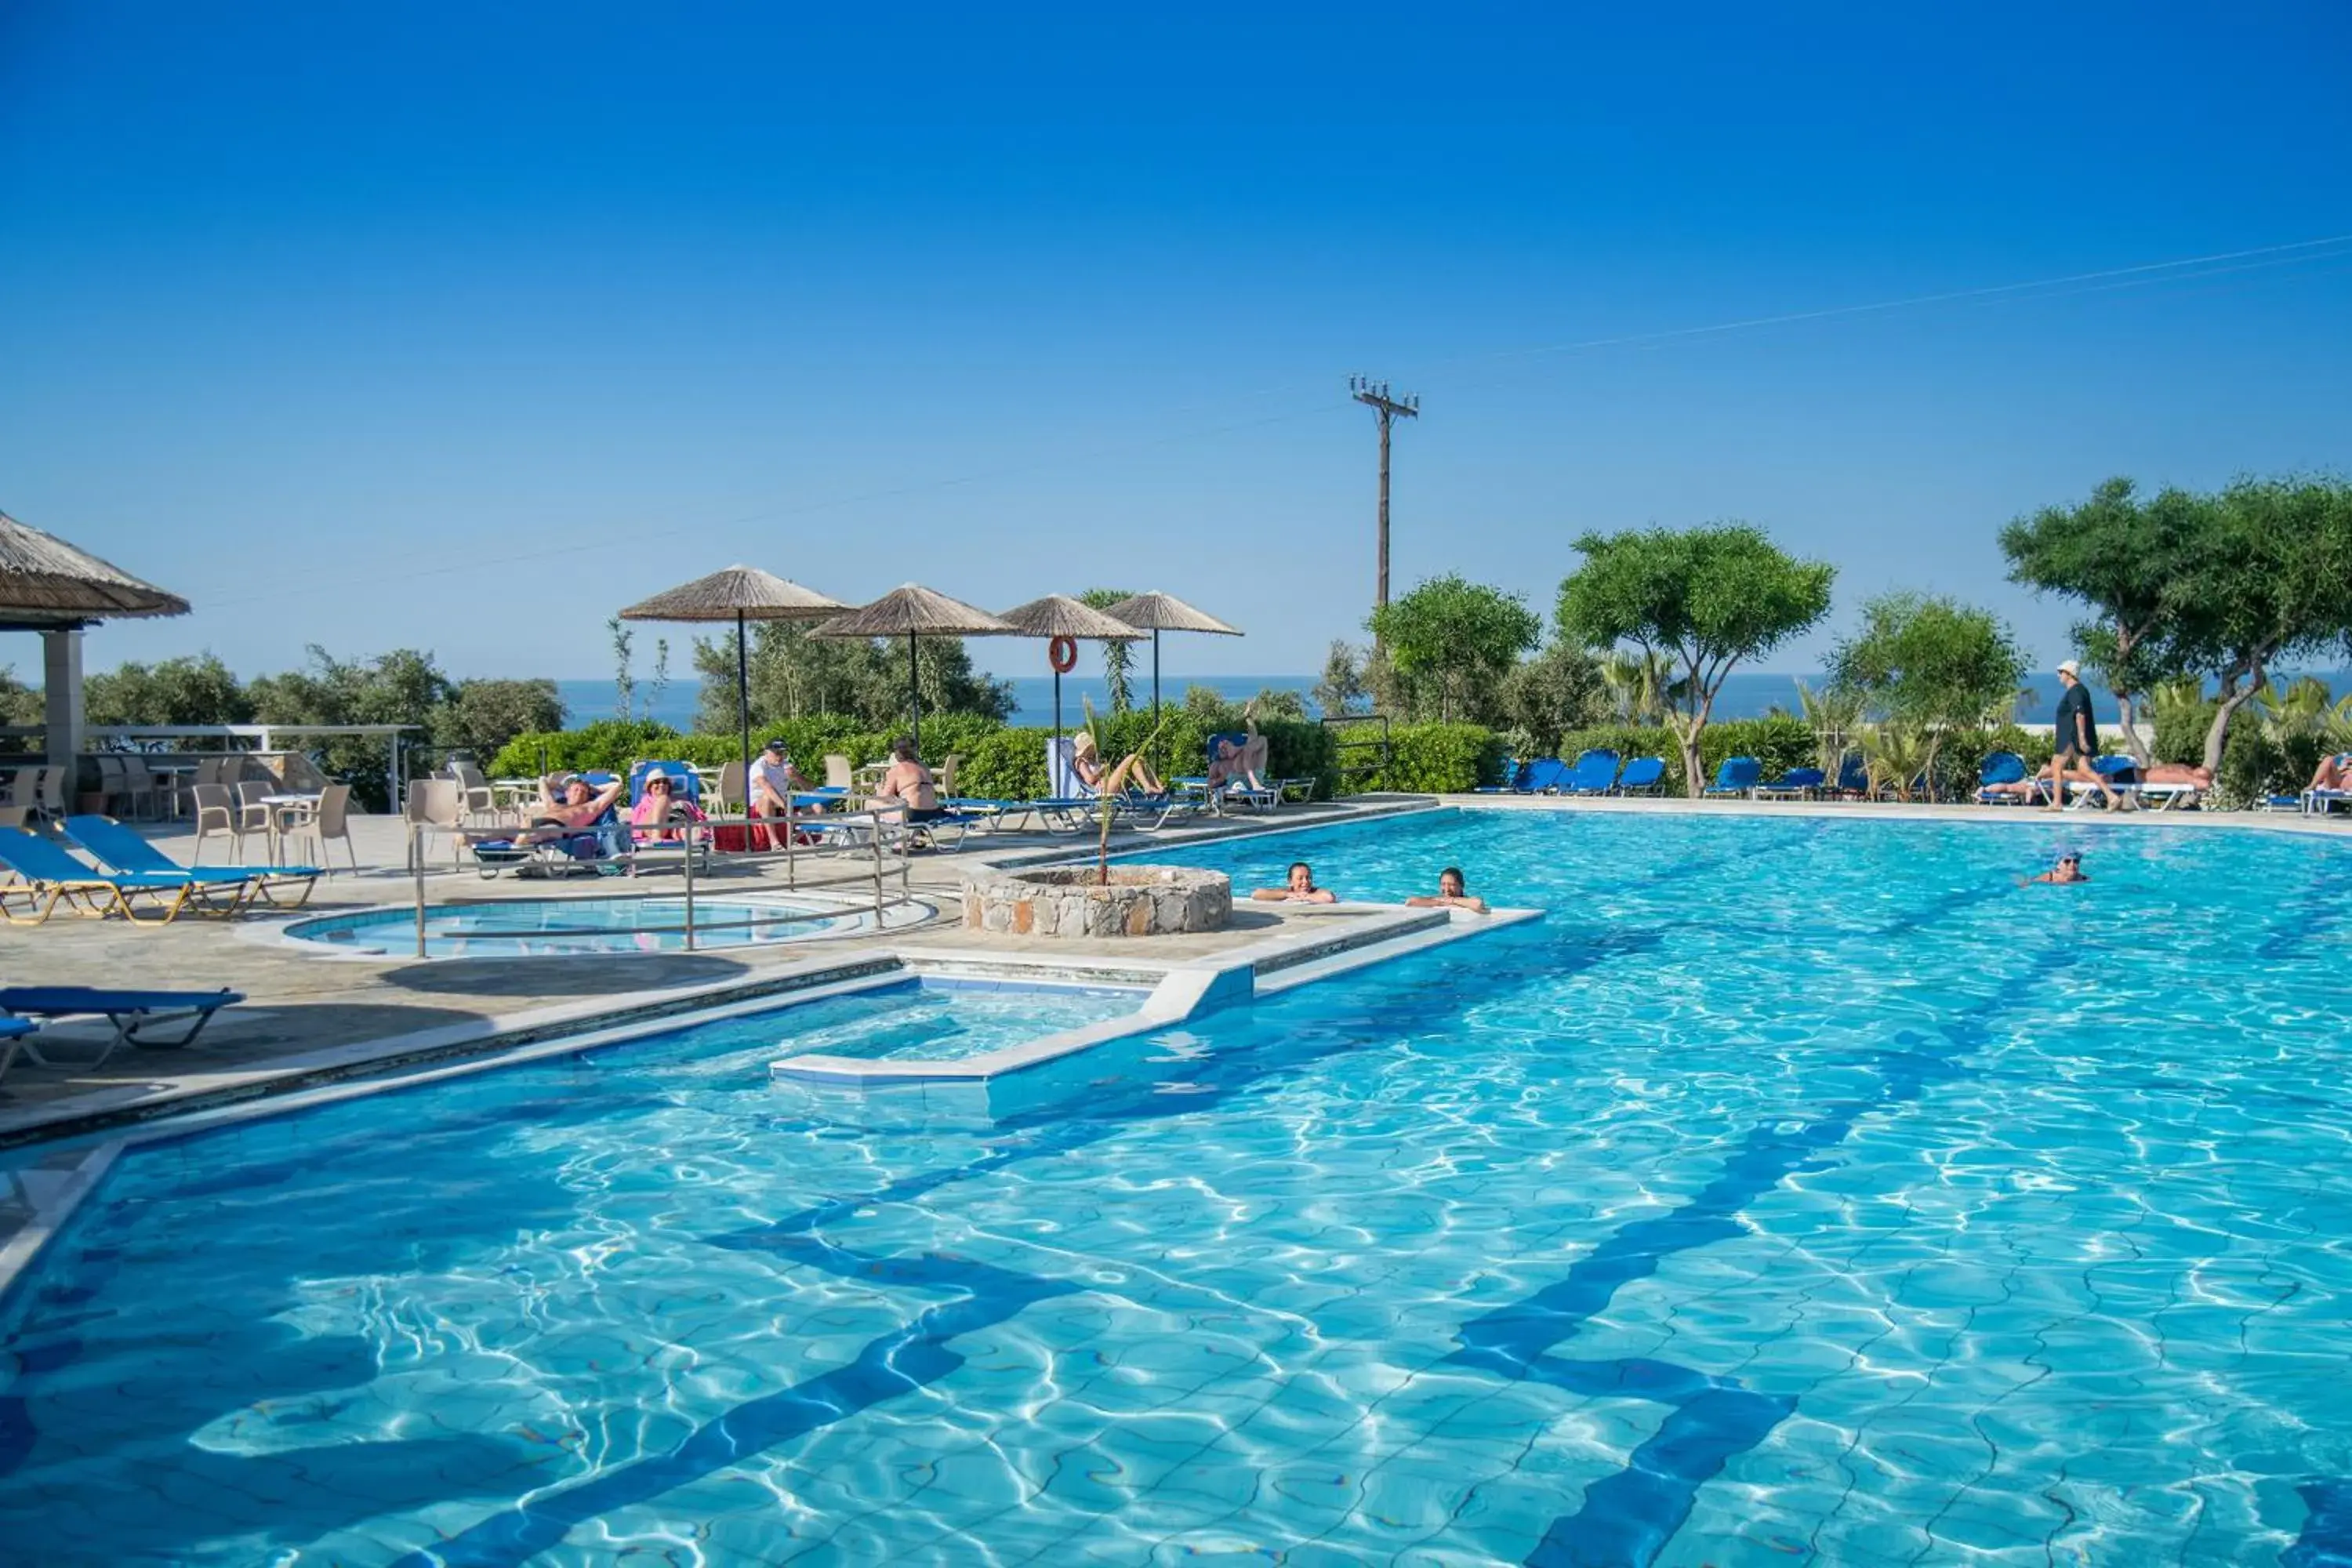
(2102, 281)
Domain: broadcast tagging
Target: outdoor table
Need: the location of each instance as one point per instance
(281, 806)
(173, 773)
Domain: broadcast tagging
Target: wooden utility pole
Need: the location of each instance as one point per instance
(1374, 394)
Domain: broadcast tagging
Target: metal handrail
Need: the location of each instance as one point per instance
(889, 842)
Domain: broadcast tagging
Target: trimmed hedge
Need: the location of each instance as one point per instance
(1438, 759)
(998, 761)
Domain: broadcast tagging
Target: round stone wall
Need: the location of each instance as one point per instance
(1072, 901)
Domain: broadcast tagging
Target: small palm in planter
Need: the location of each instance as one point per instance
(1112, 785)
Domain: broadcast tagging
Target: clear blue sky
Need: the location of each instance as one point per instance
(460, 327)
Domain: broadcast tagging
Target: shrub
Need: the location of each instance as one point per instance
(1438, 759)
(2255, 764)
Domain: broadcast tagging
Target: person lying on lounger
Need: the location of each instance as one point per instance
(907, 792)
(2176, 774)
(1299, 889)
(563, 809)
(1087, 765)
(2068, 871)
(1452, 894)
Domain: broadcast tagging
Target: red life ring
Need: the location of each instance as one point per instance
(1062, 652)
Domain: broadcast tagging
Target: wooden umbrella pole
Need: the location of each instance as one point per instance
(743, 702)
(914, 697)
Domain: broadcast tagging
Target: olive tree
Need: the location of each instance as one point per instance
(1933, 666)
(1455, 638)
(1706, 598)
(2132, 564)
(2270, 579)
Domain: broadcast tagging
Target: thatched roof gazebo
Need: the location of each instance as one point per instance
(738, 594)
(910, 612)
(49, 586)
(1158, 612)
(1064, 619)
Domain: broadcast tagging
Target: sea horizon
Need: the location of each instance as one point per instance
(1746, 695)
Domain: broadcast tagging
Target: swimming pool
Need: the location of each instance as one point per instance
(946, 1020)
(537, 927)
(1797, 1190)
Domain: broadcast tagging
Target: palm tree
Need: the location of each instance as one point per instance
(1834, 714)
(2303, 709)
(1638, 686)
(1896, 755)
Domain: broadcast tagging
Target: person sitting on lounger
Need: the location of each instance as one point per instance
(1299, 889)
(2334, 773)
(1452, 894)
(1086, 764)
(661, 804)
(907, 792)
(2068, 870)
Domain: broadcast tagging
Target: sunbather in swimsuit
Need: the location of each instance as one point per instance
(559, 816)
(1089, 767)
(907, 792)
(2334, 773)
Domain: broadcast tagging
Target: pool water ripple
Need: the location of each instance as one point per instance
(1797, 1191)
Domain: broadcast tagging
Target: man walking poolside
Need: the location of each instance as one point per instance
(2077, 741)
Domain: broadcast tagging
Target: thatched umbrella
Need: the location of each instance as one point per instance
(49, 587)
(1059, 615)
(739, 593)
(1158, 612)
(46, 583)
(911, 612)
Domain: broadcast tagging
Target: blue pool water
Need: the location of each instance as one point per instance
(1798, 1191)
(538, 928)
(937, 1020)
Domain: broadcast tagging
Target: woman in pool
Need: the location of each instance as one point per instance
(2068, 871)
(1298, 889)
(1453, 894)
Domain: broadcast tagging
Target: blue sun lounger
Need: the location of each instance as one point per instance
(1643, 776)
(129, 1013)
(121, 848)
(2000, 768)
(1737, 776)
(13, 1032)
(1595, 773)
(51, 880)
(1796, 784)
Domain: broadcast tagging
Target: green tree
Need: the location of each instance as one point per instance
(625, 680)
(1285, 703)
(1935, 668)
(1834, 714)
(1455, 639)
(2132, 564)
(1706, 598)
(19, 703)
(2269, 579)
(797, 676)
(1341, 689)
(1636, 685)
(1548, 695)
(1118, 657)
(403, 687)
(188, 689)
(481, 716)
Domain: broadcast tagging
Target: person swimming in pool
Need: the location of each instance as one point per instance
(1451, 893)
(2065, 873)
(1298, 889)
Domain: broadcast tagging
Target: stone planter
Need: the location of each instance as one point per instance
(1069, 901)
